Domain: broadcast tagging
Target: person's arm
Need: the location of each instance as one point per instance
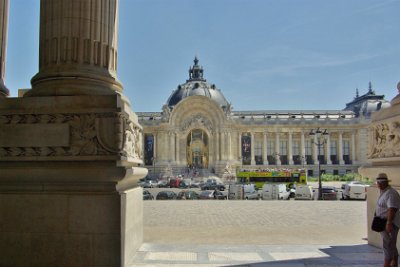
(390, 217)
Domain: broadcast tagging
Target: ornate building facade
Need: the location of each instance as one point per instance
(198, 128)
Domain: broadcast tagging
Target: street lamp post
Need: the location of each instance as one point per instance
(319, 140)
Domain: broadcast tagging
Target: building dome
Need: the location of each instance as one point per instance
(197, 85)
(368, 103)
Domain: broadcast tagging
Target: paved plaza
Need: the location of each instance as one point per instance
(256, 233)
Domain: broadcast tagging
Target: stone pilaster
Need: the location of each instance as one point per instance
(383, 157)
(3, 44)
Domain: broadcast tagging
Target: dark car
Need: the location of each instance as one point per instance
(163, 184)
(166, 195)
(188, 195)
(147, 195)
(212, 195)
(329, 193)
(212, 186)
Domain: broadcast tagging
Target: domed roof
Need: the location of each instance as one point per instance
(368, 103)
(197, 85)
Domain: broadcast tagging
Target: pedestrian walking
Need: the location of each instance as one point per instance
(387, 206)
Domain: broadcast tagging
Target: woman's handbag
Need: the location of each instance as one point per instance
(378, 224)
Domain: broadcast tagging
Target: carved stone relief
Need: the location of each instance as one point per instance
(195, 121)
(89, 135)
(385, 140)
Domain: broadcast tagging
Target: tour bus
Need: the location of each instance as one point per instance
(259, 177)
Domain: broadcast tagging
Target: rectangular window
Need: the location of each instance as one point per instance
(258, 148)
(333, 148)
(296, 148)
(346, 147)
(308, 147)
(271, 148)
(283, 148)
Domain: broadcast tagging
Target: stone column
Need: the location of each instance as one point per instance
(340, 148)
(302, 149)
(353, 148)
(177, 148)
(315, 150)
(155, 146)
(3, 44)
(70, 160)
(277, 149)
(78, 39)
(328, 150)
(253, 162)
(240, 147)
(217, 146)
(229, 145)
(223, 145)
(265, 149)
(171, 150)
(290, 152)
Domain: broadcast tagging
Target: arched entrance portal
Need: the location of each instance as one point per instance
(197, 149)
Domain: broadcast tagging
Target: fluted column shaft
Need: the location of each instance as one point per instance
(253, 162)
(77, 48)
(290, 148)
(340, 148)
(328, 150)
(302, 149)
(3, 44)
(277, 149)
(353, 148)
(265, 149)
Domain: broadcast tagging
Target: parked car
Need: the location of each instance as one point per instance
(350, 183)
(304, 192)
(147, 195)
(209, 194)
(212, 186)
(355, 191)
(188, 195)
(163, 184)
(150, 184)
(165, 195)
(329, 193)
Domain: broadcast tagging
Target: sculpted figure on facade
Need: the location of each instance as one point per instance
(385, 140)
(132, 144)
(166, 113)
(195, 121)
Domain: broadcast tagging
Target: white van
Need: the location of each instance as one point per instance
(355, 191)
(304, 192)
(274, 191)
(242, 191)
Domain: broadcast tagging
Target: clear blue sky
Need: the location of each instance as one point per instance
(262, 54)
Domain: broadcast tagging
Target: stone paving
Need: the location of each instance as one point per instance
(256, 233)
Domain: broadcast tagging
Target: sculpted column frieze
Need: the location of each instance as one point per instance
(385, 140)
(56, 136)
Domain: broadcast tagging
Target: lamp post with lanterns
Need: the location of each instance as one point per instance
(319, 139)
